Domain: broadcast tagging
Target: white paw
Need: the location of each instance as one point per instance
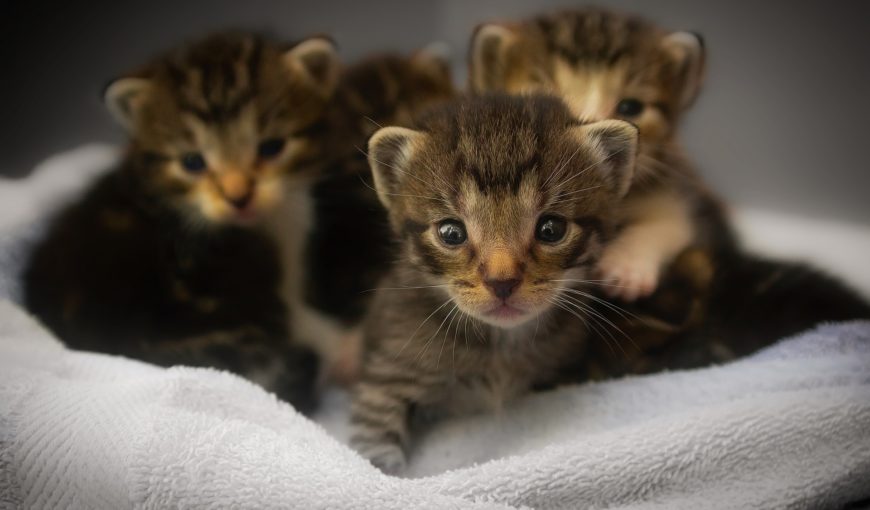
(628, 275)
(387, 457)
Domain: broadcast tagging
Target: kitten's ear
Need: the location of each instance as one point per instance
(616, 142)
(489, 54)
(124, 98)
(390, 149)
(689, 56)
(434, 60)
(317, 60)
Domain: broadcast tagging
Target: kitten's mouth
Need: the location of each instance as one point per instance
(246, 216)
(504, 311)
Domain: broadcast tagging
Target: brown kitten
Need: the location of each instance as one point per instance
(609, 65)
(501, 206)
(171, 257)
(343, 262)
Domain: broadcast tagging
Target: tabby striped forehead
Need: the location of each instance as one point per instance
(597, 36)
(216, 79)
(501, 147)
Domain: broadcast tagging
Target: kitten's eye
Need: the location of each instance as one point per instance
(452, 232)
(193, 162)
(550, 229)
(629, 108)
(270, 148)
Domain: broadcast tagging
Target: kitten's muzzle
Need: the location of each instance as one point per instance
(237, 188)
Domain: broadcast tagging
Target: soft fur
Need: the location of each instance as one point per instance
(178, 263)
(444, 330)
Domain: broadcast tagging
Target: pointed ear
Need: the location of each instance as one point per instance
(686, 49)
(390, 149)
(434, 60)
(488, 59)
(317, 61)
(616, 142)
(124, 98)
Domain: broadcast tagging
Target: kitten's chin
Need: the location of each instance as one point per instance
(506, 316)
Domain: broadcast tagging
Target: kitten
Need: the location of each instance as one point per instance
(379, 90)
(171, 256)
(501, 207)
(609, 65)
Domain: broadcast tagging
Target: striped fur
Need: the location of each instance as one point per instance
(437, 338)
(598, 61)
(176, 265)
(378, 90)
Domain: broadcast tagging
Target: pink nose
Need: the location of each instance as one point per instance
(502, 289)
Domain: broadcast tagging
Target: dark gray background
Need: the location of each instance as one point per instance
(782, 122)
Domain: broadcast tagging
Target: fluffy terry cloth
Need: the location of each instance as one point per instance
(786, 428)
(789, 427)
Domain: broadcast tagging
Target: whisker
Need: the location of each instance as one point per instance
(586, 322)
(367, 185)
(446, 332)
(426, 345)
(366, 154)
(597, 314)
(373, 121)
(421, 325)
(596, 317)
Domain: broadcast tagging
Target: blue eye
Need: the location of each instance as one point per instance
(270, 148)
(193, 162)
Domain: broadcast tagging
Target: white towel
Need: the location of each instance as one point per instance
(789, 427)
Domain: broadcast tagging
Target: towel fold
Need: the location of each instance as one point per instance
(789, 427)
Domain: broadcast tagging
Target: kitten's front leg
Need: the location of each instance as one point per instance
(380, 412)
(631, 263)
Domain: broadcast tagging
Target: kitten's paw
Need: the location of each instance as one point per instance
(628, 276)
(389, 458)
(345, 368)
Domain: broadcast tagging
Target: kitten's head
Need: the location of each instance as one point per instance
(223, 122)
(503, 201)
(603, 64)
(392, 89)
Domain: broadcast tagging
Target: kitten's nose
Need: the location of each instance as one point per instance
(237, 188)
(242, 201)
(502, 288)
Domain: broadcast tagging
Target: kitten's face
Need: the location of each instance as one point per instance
(503, 202)
(604, 65)
(224, 122)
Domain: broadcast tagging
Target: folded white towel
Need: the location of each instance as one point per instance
(789, 427)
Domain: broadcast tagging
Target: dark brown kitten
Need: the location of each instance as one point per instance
(172, 256)
(501, 207)
(348, 254)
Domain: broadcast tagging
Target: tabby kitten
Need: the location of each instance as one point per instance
(379, 90)
(501, 206)
(609, 65)
(714, 302)
(171, 257)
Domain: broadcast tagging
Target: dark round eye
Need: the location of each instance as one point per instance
(550, 229)
(193, 162)
(452, 232)
(270, 148)
(629, 108)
